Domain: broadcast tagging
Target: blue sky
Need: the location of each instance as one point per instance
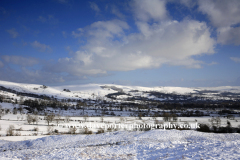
(135, 42)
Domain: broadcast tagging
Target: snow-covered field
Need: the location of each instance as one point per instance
(155, 144)
(94, 123)
(42, 141)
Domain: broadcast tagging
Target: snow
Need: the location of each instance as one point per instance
(155, 144)
(20, 138)
(93, 91)
(122, 144)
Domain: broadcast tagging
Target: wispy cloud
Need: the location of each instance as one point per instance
(2, 10)
(24, 43)
(235, 59)
(63, 1)
(114, 10)
(19, 60)
(212, 63)
(48, 19)
(41, 47)
(29, 76)
(64, 34)
(13, 33)
(77, 33)
(1, 64)
(42, 19)
(94, 6)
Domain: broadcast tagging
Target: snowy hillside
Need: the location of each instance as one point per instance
(95, 91)
(155, 144)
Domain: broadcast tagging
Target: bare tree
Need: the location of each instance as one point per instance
(166, 117)
(20, 109)
(212, 120)
(229, 124)
(35, 119)
(85, 130)
(10, 130)
(35, 112)
(49, 118)
(57, 119)
(14, 110)
(21, 100)
(7, 111)
(36, 129)
(122, 119)
(1, 112)
(100, 131)
(29, 118)
(140, 116)
(72, 130)
(67, 119)
(218, 122)
(174, 117)
(102, 119)
(85, 117)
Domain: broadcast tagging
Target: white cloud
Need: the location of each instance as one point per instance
(227, 35)
(13, 33)
(221, 13)
(108, 48)
(19, 60)
(94, 6)
(188, 3)
(224, 15)
(235, 59)
(151, 9)
(41, 47)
